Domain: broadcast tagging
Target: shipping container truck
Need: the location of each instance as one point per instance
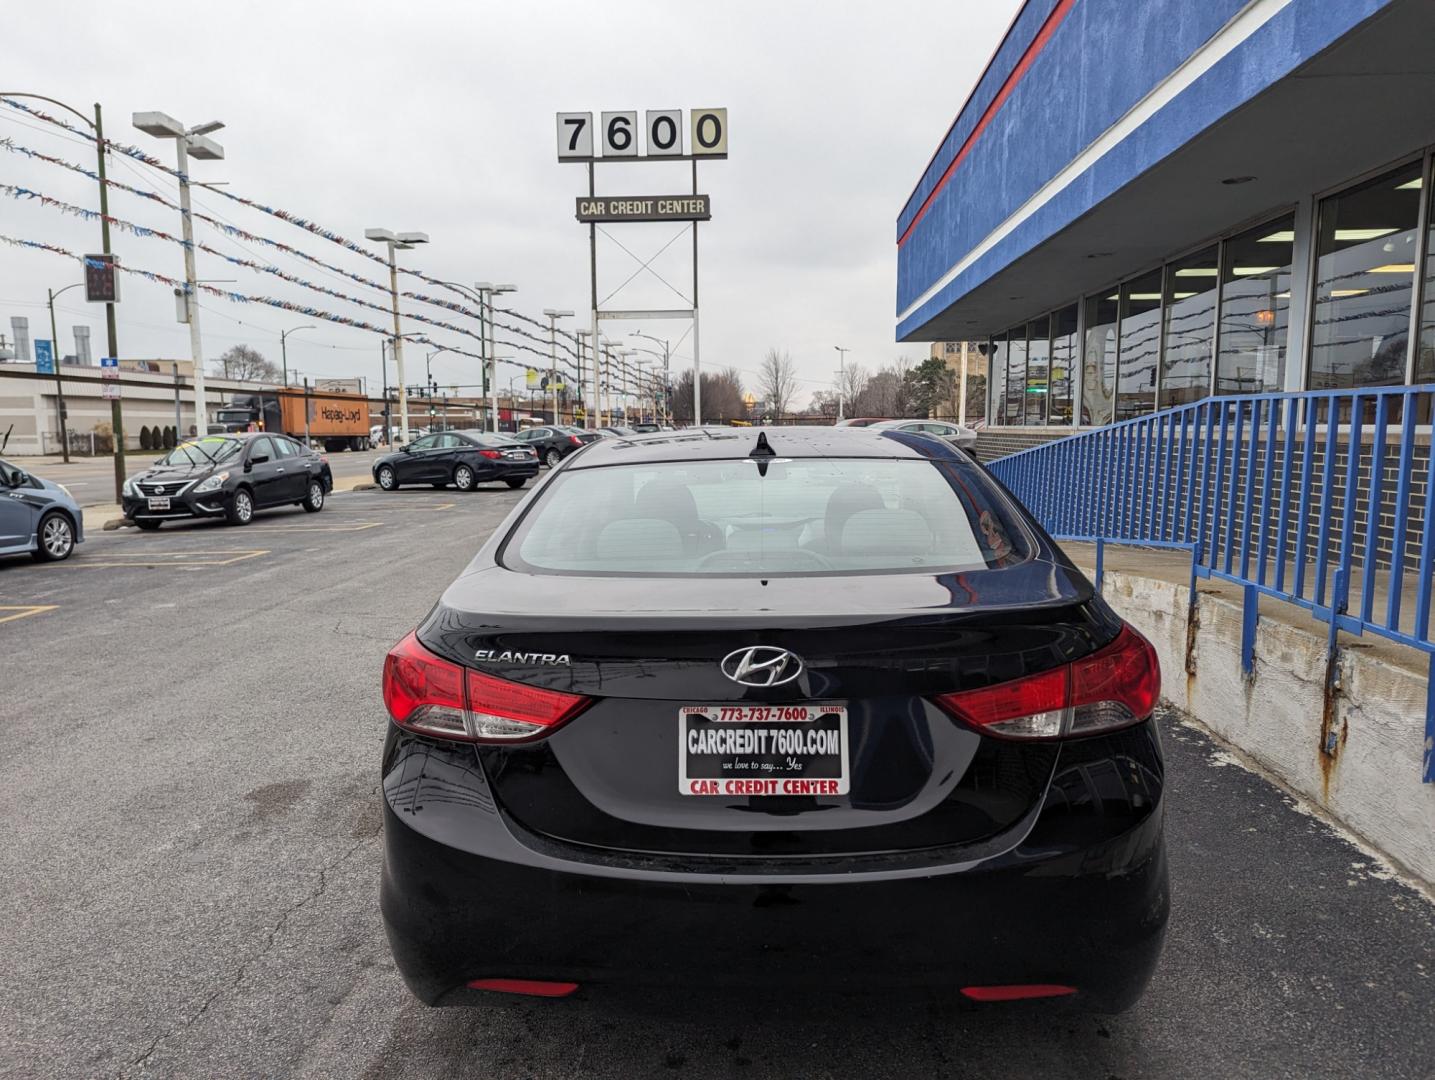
(336, 420)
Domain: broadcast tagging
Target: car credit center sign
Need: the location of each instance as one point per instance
(644, 208)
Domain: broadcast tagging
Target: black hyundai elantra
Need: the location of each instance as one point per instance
(818, 710)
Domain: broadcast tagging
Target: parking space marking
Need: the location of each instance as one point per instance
(170, 558)
(394, 506)
(21, 611)
(353, 526)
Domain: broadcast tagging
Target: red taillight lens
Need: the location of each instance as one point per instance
(575, 440)
(1114, 687)
(529, 987)
(493, 455)
(433, 696)
(1016, 991)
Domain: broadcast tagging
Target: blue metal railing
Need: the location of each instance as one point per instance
(1321, 499)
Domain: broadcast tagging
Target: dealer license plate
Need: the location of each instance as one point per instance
(159, 504)
(743, 750)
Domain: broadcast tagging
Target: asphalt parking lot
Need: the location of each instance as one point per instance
(189, 782)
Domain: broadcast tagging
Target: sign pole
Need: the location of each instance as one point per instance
(594, 416)
(117, 421)
(697, 364)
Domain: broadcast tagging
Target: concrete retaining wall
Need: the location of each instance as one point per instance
(1372, 783)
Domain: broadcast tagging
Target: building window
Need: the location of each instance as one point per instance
(1255, 308)
(1038, 369)
(1099, 361)
(1140, 346)
(1192, 285)
(1365, 273)
(996, 364)
(1016, 375)
(1063, 359)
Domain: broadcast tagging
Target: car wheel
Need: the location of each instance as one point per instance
(516, 482)
(388, 480)
(463, 478)
(552, 459)
(241, 508)
(57, 538)
(149, 526)
(314, 501)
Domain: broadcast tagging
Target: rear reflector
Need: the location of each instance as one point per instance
(1016, 991)
(433, 696)
(1114, 687)
(531, 987)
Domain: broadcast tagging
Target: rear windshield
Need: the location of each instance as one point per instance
(803, 516)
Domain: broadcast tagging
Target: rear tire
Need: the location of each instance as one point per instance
(463, 478)
(314, 500)
(241, 508)
(552, 459)
(516, 482)
(55, 538)
(388, 479)
(148, 526)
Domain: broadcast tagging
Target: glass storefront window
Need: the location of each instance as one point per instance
(1099, 361)
(1425, 354)
(1038, 369)
(1192, 285)
(1140, 346)
(1364, 282)
(1063, 359)
(996, 364)
(1255, 309)
(1016, 375)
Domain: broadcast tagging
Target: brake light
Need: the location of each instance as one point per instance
(1114, 687)
(492, 455)
(575, 440)
(1016, 991)
(529, 987)
(433, 696)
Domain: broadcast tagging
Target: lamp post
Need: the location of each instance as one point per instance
(404, 241)
(284, 349)
(97, 126)
(55, 359)
(428, 380)
(841, 375)
(583, 344)
(553, 317)
(488, 289)
(667, 377)
(189, 142)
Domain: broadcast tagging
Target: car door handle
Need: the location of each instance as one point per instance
(279, 469)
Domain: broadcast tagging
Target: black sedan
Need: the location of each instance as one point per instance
(555, 443)
(807, 710)
(464, 459)
(229, 477)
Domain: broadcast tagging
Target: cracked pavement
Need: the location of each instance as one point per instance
(190, 869)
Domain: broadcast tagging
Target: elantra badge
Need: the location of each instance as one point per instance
(761, 665)
(508, 656)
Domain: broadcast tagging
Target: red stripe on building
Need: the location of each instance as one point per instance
(1033, 50)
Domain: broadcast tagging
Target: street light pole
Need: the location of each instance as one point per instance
(398, 242)
(487, 290)
(583, 336)
(284, 348)
(55, 359)
(841, 375)
(553, 317)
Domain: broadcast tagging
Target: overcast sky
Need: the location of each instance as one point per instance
(440, 117)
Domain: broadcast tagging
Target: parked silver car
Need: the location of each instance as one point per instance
(964, 438)
(37, 516)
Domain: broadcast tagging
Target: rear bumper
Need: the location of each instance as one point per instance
(1059, 904)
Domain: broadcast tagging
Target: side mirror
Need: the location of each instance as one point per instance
(405, 448)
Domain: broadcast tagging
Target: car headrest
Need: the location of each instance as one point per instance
(886, 532)
(642, 539)
(668, 500)
(845, 501)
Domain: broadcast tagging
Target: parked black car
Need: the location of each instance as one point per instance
(810, 709)
(555, 443)
(228, 476)
(464, 459)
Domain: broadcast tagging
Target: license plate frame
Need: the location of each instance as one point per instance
(785, 753)
(158, 502)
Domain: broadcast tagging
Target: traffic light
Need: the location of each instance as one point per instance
(102, 279)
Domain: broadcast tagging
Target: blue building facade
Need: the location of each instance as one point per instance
(1145, 203)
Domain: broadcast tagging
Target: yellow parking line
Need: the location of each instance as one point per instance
(356, 526)
(171, 558)
(21, 611)
(394, 506)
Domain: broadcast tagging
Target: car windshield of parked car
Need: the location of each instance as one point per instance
(203, 452)
(795, 516)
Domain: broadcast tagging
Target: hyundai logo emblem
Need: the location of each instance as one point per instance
(761, 665)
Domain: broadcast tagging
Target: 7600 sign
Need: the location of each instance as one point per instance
(661, 134)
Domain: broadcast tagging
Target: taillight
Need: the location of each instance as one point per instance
(575, 440)
(492, 455)
(433, 696)
(1114, 687)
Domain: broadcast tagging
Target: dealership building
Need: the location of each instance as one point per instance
(1144, 204)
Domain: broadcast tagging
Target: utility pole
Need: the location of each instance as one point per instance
(553, 317)
(284, 349)
(841, 375)
(404, 241)
(583, 336)
(487, 289)
(962, 392)
(55, 359)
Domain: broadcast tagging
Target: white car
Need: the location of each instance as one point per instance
(964, 438)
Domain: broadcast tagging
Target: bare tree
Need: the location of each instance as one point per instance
(777, 382)
(850, 384)
(722, 397)
(246, 364)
